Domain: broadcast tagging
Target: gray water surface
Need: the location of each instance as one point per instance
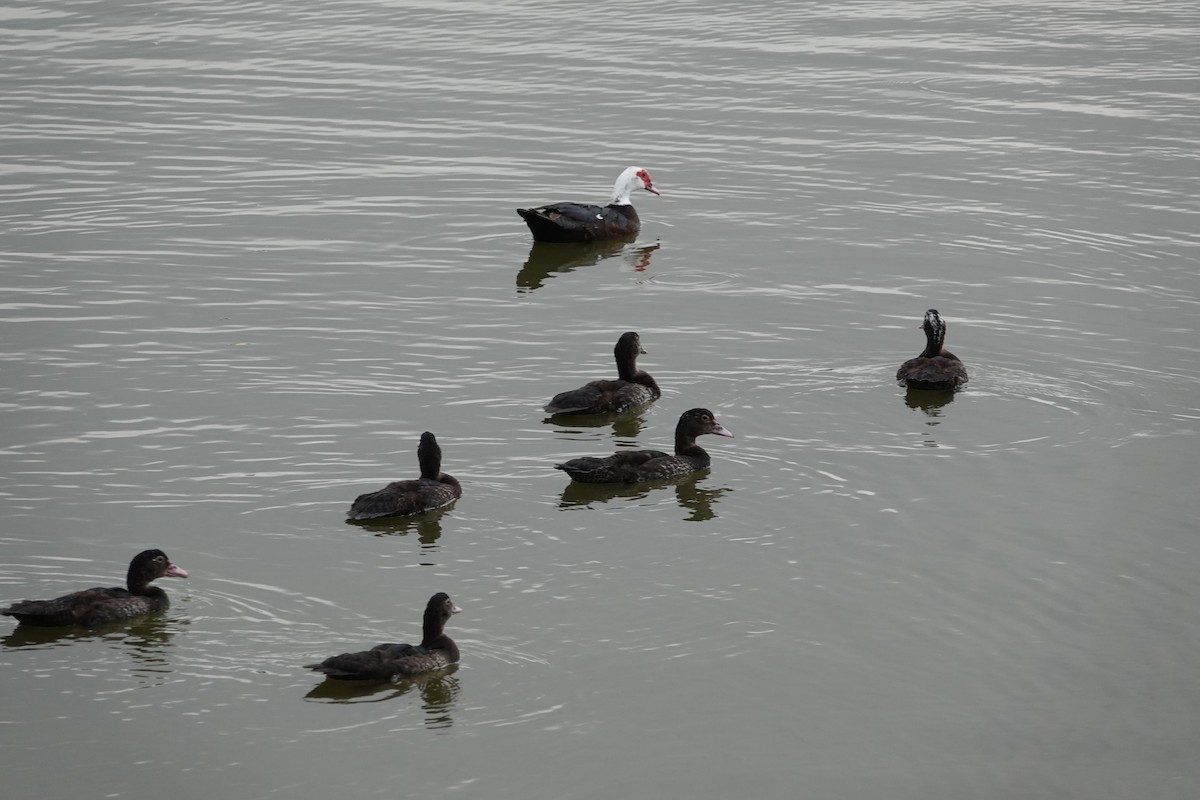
(251, 250)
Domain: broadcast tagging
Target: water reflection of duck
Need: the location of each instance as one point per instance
(635, 466)
(627, 424)
(633, 387)
(387, 662)
(688, 494)
(936, 368)
(100, 605)
(428, 526)
(546, 259)
(433, 489)
(578, 222)
(697, 500)
(930, 403)
(439, 691)
(143, 639)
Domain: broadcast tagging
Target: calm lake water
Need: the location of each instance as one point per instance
(251, 250)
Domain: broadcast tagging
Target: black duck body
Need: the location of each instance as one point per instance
(637, 466)
(633, 387)
(936, 368)
(103, 605)
(581, 222)
(389, 662)
(433, 489)
(573, 222)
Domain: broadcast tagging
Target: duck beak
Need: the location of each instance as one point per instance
(720, 430)
(455, 609)
(175, 572)
(649, 187)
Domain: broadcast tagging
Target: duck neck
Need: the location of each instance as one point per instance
(429, 455)
(623, 188)
(138, 583)
(935, 336)
(627, 365)
(433, 628)
(685, 443)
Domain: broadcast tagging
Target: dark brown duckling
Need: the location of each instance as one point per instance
(389, 662)
(433, 489)
(633, 386)
(936, 367)
(635, 466)
(100, 606)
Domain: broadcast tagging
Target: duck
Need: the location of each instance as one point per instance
(936, 368)
(391, 662)
(576, 222)
(433, 489)
(637, 466)
(100, 606)
(633, 386)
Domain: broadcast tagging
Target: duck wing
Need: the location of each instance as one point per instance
(617, 468)
(88, 607)
(576, 222)
(402, 498)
